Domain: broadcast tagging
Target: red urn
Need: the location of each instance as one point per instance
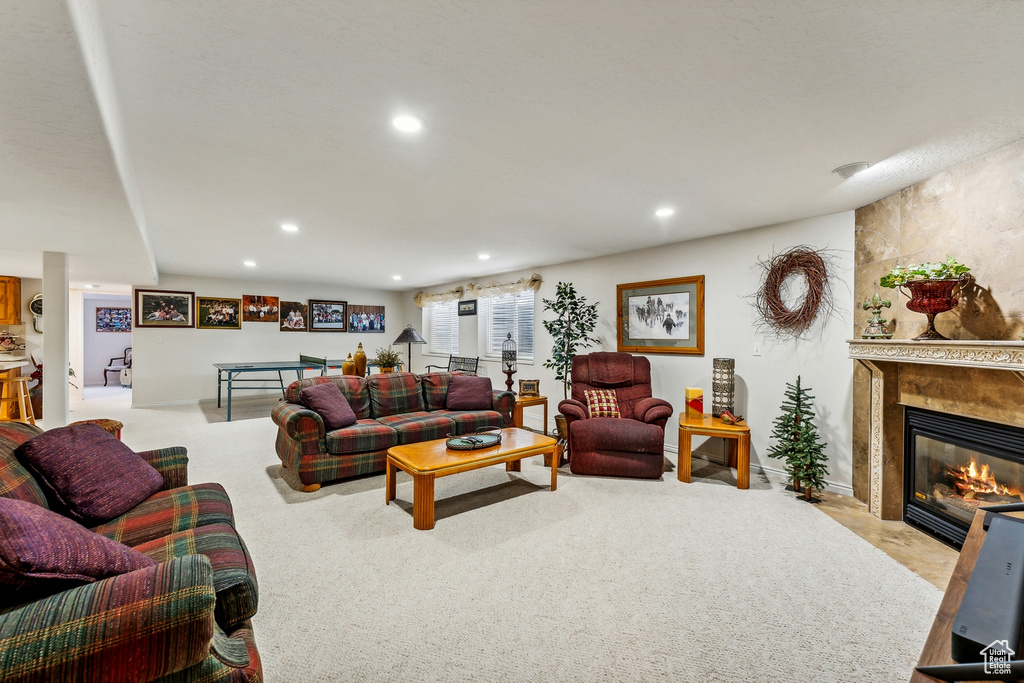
(932, 297)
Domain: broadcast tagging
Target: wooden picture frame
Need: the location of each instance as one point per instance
(258, 308)
(328, 315)
(218, 313)
(113, 319)
(164, 308)
(661, 316)
(294, 316)
(365, 318)
(529, 387)
(467, 307)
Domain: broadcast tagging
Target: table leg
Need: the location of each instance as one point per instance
(743, 462)
(220, 374)
(685, 444)
(514, 466)
(554, 468)
(546, 419)
(423, 501)
(231, 376)
(731, 446)
(389, 478)
(280, 380)
(517, 416)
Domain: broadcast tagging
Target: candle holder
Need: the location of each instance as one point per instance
(723, 385)
(508, 360)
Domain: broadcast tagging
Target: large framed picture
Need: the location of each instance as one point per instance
(260, 309)
(216, 313)
(293, 316)
(661, 316)
(113, 320)
(365, 318)
(328, 316)
(164, 308)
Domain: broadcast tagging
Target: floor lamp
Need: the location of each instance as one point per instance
(409, 336)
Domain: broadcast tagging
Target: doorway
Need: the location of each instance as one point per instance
(106, 347)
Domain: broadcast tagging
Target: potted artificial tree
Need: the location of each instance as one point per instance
(796, 441)
(571, 330)
(931, 287)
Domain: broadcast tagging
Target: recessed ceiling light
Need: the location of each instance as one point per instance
(849, 170)
(406, 123)
(665, 212)
(396, 277)
(93, 286)
(289, 227)
(250, 264)
(484, 257)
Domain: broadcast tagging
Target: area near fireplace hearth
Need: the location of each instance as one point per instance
(974, 212)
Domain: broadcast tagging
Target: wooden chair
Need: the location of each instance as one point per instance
(459, 363)
(15, 390)
(117, 364)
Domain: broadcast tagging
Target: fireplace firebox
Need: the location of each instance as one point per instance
(954, 464)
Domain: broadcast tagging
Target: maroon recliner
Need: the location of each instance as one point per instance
(632, 445)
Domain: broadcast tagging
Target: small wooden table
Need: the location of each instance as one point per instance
(737, 437)
(429, 460)
(526, 402)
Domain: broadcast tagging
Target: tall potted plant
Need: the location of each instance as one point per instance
(571, 330)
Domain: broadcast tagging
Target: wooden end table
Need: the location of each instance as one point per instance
(737, 438)
(526, 402)
(428, 460)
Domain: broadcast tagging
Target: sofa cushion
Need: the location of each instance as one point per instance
(470, 421)
(234, 577)
(394, 393)
(469, 393)
(435, 387)
(613, 434)
(352, 388)
(42, 553)
(171, 511)
(419, 426)
(327, 400)
(363, 436)
(15, 481)
(601, 403)
(87, 473)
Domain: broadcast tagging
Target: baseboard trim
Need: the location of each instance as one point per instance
(158, 404)
(832, 486)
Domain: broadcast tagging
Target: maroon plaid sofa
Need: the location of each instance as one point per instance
(184, 619)
(392, 409)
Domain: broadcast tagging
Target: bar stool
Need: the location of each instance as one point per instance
(16, 390)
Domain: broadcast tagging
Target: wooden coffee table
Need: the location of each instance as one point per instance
(429, 460)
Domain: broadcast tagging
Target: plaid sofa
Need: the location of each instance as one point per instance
(184, 619)
(391, 409)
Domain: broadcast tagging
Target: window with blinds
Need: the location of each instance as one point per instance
(503, 314)
(441, 322)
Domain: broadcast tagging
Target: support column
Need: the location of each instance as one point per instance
(55, 339)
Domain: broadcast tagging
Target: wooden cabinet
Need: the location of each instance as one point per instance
(10, 300)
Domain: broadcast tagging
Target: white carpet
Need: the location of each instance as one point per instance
(602, 580)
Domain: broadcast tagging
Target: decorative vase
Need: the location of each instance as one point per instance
(932, 297)
(385, 369)
(562, 433)
(348, 366)
(360, 360)
(723, 385)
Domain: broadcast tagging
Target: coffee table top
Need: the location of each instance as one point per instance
(434, 457)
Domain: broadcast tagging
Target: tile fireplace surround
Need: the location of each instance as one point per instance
(974, 378)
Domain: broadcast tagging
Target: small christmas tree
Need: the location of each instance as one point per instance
(796, 440)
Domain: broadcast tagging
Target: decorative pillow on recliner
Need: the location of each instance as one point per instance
(466, 392)
(327, 400)
(602, 403)
(88, 474)
(42, 553)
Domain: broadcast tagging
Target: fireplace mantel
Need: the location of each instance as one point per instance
(973, 353)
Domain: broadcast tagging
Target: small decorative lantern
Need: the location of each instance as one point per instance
(723, 385)
(508, 360)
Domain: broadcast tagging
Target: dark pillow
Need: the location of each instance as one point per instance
(327, 400)
(466, 392)
(42, 553)
(87, 473)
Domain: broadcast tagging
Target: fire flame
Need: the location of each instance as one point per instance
(970, 481)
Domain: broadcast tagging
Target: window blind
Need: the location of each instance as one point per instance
(441, 321)
(508, 313)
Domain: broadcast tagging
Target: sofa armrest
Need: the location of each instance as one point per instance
(137, 626)
(653, 411)
(171, 463)
(504, 402)
(298, 422)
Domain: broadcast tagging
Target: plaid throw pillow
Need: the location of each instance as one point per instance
(601, 403)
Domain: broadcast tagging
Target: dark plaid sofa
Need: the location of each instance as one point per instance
(184, 619)
(392, 409)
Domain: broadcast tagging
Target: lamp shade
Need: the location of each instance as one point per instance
(409, 336)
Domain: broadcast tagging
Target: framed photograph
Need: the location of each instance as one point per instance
(216, 313)
(327, 316)
(260, 309)
(661, 316)
(293, 316)
(529, 387)
(113, 320)
(163, 308)
(467, 307)
(365, 318)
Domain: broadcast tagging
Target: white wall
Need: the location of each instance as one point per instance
(99, 347)
(176, 365)
(728, 263)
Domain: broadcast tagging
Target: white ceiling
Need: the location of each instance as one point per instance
(191, 129)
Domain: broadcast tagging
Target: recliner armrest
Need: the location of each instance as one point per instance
(653, 411)
(573, 410)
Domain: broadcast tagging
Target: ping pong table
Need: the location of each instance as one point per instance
(229, 373)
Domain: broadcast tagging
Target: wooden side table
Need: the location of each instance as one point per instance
(737, 438)
(526, 402)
